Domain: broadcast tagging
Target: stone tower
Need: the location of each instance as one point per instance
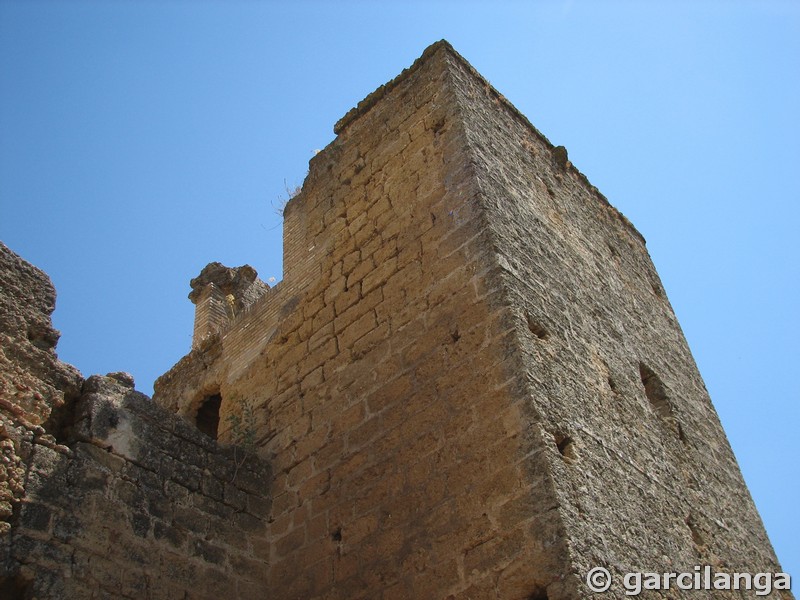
(470, 383)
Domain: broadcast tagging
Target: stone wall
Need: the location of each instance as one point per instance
(219, 294)
(378, 368)
(33, 382)
(469, 382)
(646, 479)
(116, 497)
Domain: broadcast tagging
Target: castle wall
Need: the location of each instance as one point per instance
(469, 383)
(647, 480)
(381, 373)
(103, 493)
(141, 505)
(33, 382)
(211, 314)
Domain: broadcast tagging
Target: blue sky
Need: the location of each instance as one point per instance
(140, 141)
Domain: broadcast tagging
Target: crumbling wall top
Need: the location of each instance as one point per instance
(240, 282)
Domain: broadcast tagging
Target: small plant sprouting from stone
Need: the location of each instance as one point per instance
(231, 302)
(290, 193)
(243, 426)
(242, 433)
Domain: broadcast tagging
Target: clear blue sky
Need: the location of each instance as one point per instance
(141, 140)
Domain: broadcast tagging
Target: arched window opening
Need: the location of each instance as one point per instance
(207, 419)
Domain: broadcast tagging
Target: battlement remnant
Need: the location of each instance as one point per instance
(219, 293)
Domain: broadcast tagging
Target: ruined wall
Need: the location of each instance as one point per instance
(219, 294)
(113, 496)
(33, 382)
(469, 382)
(141, 505)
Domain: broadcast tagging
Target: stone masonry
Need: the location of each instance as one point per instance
(104, 494)
(468, 385)
(219, 294)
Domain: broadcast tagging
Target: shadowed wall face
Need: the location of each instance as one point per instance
(650, 481)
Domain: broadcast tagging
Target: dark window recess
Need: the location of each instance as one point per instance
(208, 415)
(566, 447)
(15, 588)
(538, 594)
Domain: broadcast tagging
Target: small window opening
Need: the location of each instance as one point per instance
(566, 447)
(682, 435)
(207, 419)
